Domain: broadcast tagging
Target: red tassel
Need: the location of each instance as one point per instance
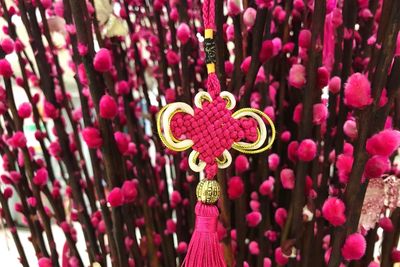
(204, 249)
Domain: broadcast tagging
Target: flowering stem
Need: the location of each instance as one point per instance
(305, 129)
(237, 75)
(257, 39)
(390, 240)
(13, 229)
(354, 194)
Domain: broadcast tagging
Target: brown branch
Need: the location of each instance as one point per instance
(306, 129)
(257, 39)
(13, 229)
(390, 240)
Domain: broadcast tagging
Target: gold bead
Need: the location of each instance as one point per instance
(208, 191)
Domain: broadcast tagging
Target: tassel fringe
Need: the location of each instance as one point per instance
(204, 248)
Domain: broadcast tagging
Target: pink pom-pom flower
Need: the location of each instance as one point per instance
(344, 164)
(357, 91)
(182, 247)
(254, 248)
(305, 38)
(8, 192)
(267, 51)
(292, 150)
(354, 247)
(235, 187)
(7, 44)
(82, 49)
(386, 224)
(25, 110)
(18, 140)
(230, 32)
(350, 129)
(320, 113)
(323, 77)
(108, 107)
(45, 262)
(280, 217)
(273, 161)
(267, 187)
(183, 33)
(228, 67)
(307, 150)
(298, 109)
(102, 61)
(59, 8)
(122, 141)
(172, 57)
(122, 88)
(267, 262)
(376, 166)
(249, 17)
(115, 197)
(287, 178)
(297, 76)
(264, 3)
(55, 149)
(280, 258)
(5, 68)
(241, 164)
(288, 47)
(253, 218)
(285, 136)
(277, 42)
(15, 176)
(383, 143)
(245, 66)
(129, 191)
(170, 95)
(46, 3)
(170, 226)
(41, 177)
(176, 198)
(330, 6)
(233, 7)
(92, 137)
(50, 110)
(334, 85)
(32, 201)
(333, 211)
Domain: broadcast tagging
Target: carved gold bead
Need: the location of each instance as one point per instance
(208, 191)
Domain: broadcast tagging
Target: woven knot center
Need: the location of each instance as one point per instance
(213, 129)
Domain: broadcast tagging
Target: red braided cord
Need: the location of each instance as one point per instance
(209, 14)
(213, 85)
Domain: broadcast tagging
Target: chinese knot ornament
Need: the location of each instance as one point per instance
(211, 129)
